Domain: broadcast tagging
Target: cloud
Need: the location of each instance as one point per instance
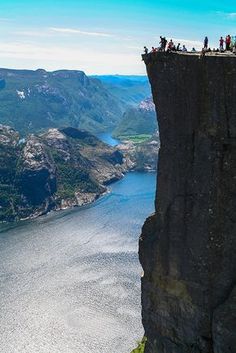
(189, 43)
(231, 14)
(28, 33)
(227, 15)
(78, 31)
(53, 57)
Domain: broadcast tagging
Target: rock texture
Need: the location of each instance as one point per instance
(55, 170)
(142, 156)
(187, 248)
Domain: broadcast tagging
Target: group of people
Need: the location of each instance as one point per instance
(227, 44)
(167, 46)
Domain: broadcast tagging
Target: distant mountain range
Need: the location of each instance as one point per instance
(34, 100)
(129, 90)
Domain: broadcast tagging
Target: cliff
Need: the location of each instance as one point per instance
(187, 248)
(55, 170)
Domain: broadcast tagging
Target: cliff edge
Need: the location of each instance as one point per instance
(187, 248)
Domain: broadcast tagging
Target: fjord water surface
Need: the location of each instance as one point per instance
(107, 138)
(70, 281)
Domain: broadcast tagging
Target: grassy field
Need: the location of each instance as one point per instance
(135, 138)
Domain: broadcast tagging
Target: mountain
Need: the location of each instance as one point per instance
(54, 170)
(138, 120)
(34, 100)
(129, 90)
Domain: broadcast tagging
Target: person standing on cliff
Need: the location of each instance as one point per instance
(221, 44)
(206, 43)
(145, 50)
(163, 43)
(227, 42)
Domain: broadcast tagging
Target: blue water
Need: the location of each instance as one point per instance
(107, 138)
(70, 281)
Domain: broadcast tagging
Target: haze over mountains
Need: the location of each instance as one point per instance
(35, 100)
(130, 90)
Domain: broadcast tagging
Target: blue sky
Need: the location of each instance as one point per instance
(106, 36)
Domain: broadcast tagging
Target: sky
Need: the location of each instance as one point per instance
(106, 36)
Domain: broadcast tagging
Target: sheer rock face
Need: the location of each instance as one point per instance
(187, 248)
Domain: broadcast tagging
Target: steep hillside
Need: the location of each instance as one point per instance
(187, 248)
(129, 90)
(35, 100)
(138, 120)
(54, 170)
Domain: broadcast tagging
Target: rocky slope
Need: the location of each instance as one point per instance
(58, 169)
(187, 248)
(34, 100)
(142, 156)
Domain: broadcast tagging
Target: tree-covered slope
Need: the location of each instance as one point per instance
(138, 120)
(35, 100)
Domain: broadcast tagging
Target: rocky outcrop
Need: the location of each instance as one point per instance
(142, 156)
(187, 248)
(55, 170)
(37, 176)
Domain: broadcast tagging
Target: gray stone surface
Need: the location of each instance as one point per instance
(187, 248)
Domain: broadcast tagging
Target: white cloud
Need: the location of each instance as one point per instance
(232, 14)
(189, 43)
(78, 31)
(228, 15)
(28, 33)
(33, 56)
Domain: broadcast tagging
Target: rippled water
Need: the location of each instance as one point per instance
(70, 281)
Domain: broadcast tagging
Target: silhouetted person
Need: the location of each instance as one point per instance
(161, 43)
(184, 49)
(164, 43)
(145, 50)
(227, 42)
(221, 44)
(206, 43)
(178, 47)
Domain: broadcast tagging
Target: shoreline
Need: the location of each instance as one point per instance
(71, 207)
